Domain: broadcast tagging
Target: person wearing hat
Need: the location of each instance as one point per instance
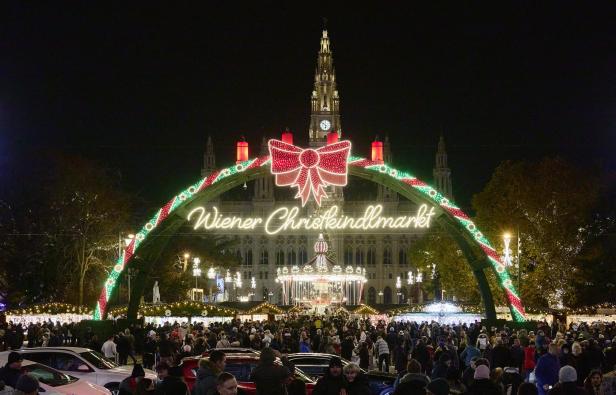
(567, 383)
(27, 384)
(129, 384)
(438, 387)
(332, 382)
(12, 370)
(482, 385)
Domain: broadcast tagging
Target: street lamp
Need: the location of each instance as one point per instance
(196, 270)
(381, 296)
(398, 286)
(507, 251)
(185, 266)
(253, 286)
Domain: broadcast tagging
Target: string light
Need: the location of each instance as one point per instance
(309, 170)
(310, 160)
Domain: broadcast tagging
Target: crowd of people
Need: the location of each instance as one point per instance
(424, 357)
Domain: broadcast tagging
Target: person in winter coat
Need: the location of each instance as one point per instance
(172, 382)
(529, 360)
(333, 381)
(355, 382)
(208, 371)
(346, 348)
(469, 352)
(593, 383)
(501, 355)
(364, 355)
(441, 367)
(268, 377)
(567, 383)
(546, 371)
(12, 370)
(381, 349)
(482, 385)
(128, 386)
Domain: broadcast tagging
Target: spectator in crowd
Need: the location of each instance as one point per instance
(226, 384)
(546, 372)
(27, 384)
(567, 383)
(381, 349)
(12, 370)
(269, 378)
(355, 382)
(332, 382)
(209, 369)
(482, 384)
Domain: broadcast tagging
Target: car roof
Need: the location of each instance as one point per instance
(76, 350)
(24, 362)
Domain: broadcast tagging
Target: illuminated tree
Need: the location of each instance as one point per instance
(552, 204)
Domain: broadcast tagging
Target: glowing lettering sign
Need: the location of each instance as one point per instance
(286, 219)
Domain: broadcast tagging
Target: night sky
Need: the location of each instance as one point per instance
(139, 87)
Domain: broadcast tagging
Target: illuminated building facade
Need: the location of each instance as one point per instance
(383, 253)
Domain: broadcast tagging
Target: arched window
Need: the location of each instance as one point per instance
(402, 259)
(248, 257)
(303, 256)
(371, 295)
(348, 255)
(359, 256)
(291, 257)
(387, 255)
(279, 258)
(371, 256)
(264, 259)
(387, 295)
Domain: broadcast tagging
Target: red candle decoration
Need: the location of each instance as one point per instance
(287, 137)
(377, 151)
(332, 137)
(242, 151)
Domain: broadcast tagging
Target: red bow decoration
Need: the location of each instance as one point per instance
(310, 170)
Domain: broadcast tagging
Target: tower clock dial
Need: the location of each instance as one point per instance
(325, 125)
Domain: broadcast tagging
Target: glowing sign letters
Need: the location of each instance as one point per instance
(287, 219)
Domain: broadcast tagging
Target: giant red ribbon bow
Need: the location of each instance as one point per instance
(310, 170)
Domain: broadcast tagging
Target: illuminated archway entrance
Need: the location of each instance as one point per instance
(145, 248)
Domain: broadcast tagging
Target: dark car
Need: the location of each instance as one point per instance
(316, 364)
(239, 365)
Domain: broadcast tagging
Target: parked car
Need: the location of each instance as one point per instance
(240, 365)
(314, 366)
(82, 363)
(56, 382)
(234, 350)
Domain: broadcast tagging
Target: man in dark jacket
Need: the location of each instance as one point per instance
(172, 383)
(12, 370)
(332, 382)
(268, 377)
(208, 371)
(546, 371)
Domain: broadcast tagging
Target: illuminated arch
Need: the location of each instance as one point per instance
(478, 251)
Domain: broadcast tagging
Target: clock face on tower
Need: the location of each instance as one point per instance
(325, 125)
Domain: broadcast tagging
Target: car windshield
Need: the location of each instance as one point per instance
(48, 376)
(97, 359)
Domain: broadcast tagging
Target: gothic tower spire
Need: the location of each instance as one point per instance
(442, 173)
(324, 101)
(209, 158)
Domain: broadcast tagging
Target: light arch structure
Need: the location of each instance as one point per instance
(150, 241)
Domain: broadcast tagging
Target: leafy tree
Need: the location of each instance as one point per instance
(552, 204)
(213, 250)
(60, 231)
(456, 277)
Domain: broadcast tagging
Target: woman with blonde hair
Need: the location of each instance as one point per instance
(354, 380)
